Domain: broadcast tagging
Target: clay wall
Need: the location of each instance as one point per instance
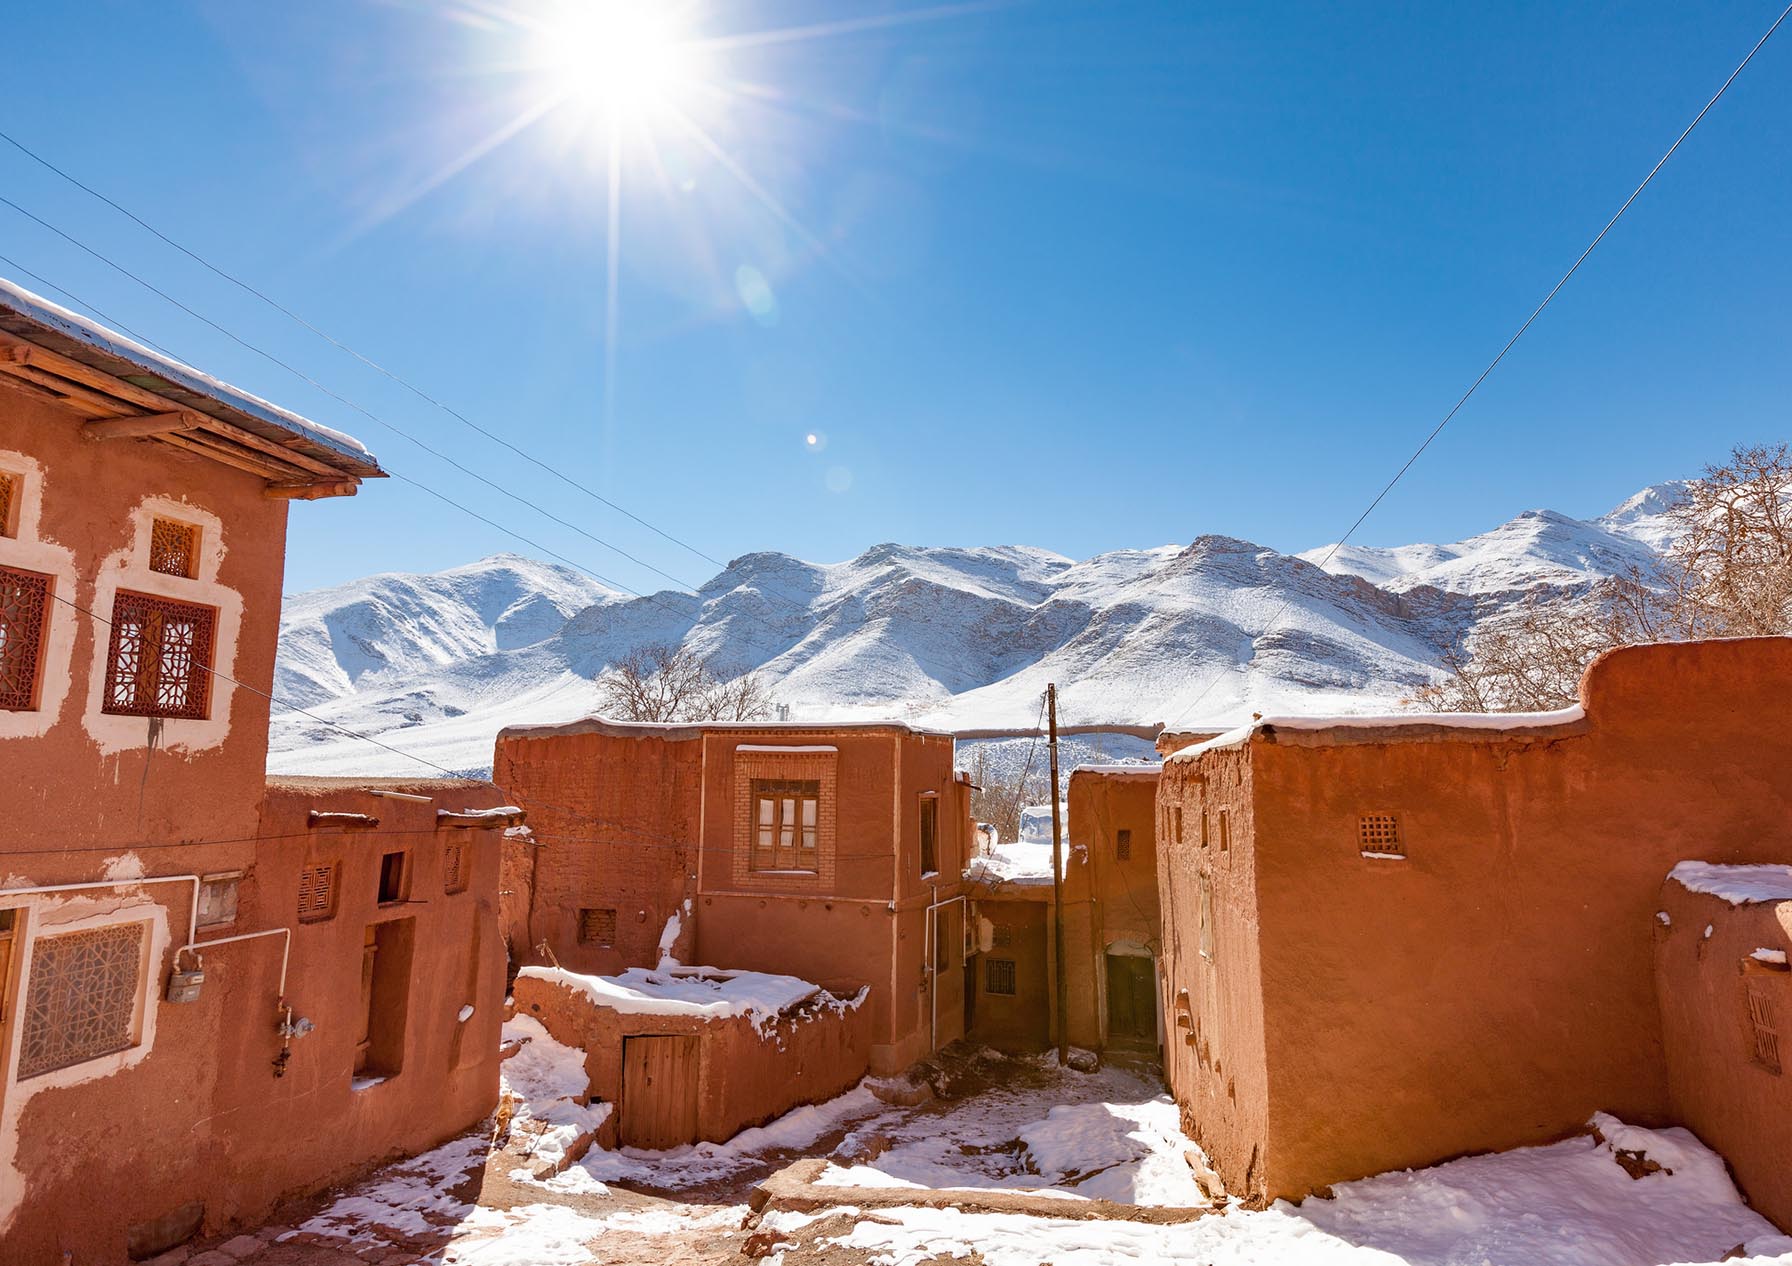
(96, 784)
(194, 1110)
(1493, 987)
(1012, 930)
(1212, 979)
(1726, 1020)
(1111, 902)
(613, 821)
(747, 1075)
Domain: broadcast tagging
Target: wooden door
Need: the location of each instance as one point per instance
(1132, 1004)
(659, 1091)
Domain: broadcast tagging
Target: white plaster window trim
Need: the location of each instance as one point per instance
(26, 550)
(49, 915)
(129, 569)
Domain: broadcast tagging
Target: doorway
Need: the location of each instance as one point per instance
(1132, 1002)
(659, 1091)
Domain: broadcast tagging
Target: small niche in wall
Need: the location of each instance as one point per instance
(1378, 835)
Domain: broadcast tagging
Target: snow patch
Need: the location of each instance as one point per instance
(1738, 885)
(694, 991)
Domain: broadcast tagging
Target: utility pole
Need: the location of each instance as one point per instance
(1063, 992)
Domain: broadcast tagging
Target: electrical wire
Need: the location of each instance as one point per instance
(1510, 343)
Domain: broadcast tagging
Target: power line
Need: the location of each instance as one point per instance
(1510, 343)
(372, 364)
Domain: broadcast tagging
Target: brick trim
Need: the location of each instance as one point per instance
(819, 766)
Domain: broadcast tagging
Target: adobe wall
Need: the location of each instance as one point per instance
(194, 1113)
(81, 777)
(1213, 981)
(1015, 929)
(614, 821)
(746, 1076)
(1110, 902)
(1706, 977)
(1495, 987)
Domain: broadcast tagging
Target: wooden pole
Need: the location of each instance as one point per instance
(1063, 992)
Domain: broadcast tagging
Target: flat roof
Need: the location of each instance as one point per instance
(686, 730)
(1392, 726)
(38, 338)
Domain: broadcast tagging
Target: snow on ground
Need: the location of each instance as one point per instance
(1567, 1204)
(1023, 864)
(1028, 1125)
(545, 1085)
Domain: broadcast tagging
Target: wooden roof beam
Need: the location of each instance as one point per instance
(311, 492)
(140, 424)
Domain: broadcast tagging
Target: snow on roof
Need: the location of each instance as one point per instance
(1739, 885)
(1484, 721)
(692, 991)
(40, 311)
(786, 747)
(1022, 864)
(1132, 769)
(684, 730)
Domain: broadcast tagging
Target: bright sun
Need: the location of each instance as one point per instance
(620, 57)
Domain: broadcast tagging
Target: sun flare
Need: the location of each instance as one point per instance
(616, 57)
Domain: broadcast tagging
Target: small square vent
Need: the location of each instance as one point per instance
(1378, 835)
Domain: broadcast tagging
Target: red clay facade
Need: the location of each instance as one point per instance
(1389, 943)
(182, 999)
(853, 876)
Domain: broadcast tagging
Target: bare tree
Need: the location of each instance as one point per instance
(998, 800)
(662, 682)
(1728, 573)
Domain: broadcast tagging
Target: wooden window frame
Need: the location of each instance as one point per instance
(23, 633)
(929, 826)
(395, 864)
(12, 490)
(771, 801)
(1378, 835)
(135, 670)
(318, 910)
(1764, 1037)
(173, 548)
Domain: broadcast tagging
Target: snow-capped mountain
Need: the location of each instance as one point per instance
(1193, 636)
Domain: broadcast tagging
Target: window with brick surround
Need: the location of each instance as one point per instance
(82, 1002)
(1763, 1029)
(930, 834)
(160, 657)
(1378, 835)
(597, 927)
(786, 819)
(454, 868)
(317, 892)
(174, 548)
(24, 612)
(1123, 845)
(998, 976)
(9, 502)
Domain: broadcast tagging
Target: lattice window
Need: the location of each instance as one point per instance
(1001, 936)
(1763, 1030)
(317, 892)
(24, 608)
(1378, 835)
(597, 927)
(998, 976)
(160, 660)
(174, 548)
(454, 868)
(9, 500)
(1123, 845)
(82, 1002)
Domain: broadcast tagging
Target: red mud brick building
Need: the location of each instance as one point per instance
(830, 852)
(1111, 925)
(214, 992)
(1393, 941)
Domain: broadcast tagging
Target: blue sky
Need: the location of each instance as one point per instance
(1075, 275)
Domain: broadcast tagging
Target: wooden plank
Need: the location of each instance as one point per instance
(254, 464)
(311, 491)
(140, 424)
(659, 1091)
(71, 394)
